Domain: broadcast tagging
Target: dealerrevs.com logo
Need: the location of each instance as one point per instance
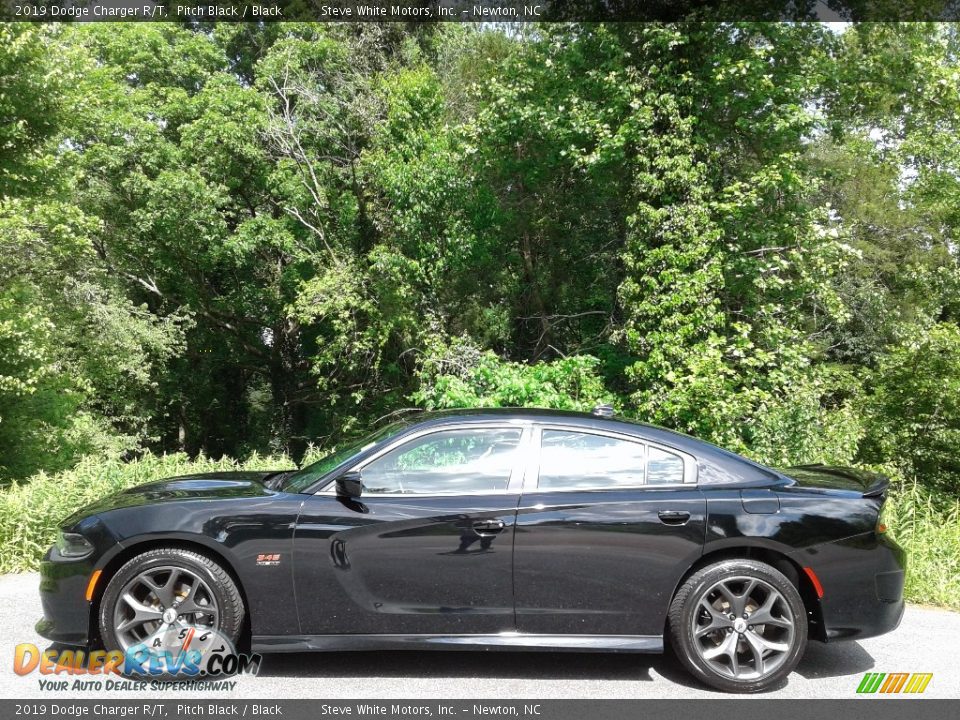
(194, 655)
(890, 683)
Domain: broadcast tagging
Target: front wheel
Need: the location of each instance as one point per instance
(738, 625)
(168, 599)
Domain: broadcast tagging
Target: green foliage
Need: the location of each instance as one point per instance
(29, 104)
(262, 238)
(914, 409)
(888, 167)
(462, 375)
(78, 359)
(927, 524)
(30, 512)
(817, 421)
(37, 406)
(23, 330)
(726, 262)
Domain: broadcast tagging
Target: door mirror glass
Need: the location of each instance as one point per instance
(350, 485)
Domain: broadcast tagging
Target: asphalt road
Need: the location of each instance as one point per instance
(925, 642)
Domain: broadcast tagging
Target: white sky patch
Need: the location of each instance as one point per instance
(830, 17)
(837, 28)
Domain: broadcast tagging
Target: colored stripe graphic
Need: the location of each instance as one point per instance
(892, 683)
(918, 682)
(870, 682)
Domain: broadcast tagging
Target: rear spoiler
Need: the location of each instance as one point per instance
(869, 484)
(878, 487)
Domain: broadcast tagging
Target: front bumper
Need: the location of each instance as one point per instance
(63, 585)
(862, 579)
(66, 611)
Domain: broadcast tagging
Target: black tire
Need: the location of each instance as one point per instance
(700, 622)
(229, 602)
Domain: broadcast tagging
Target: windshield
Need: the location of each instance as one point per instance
(302, 479)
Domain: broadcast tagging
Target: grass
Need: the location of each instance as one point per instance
(926, 523)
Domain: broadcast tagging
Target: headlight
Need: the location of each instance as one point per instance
(73, 545)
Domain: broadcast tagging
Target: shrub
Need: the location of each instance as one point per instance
(462, 375)
(913, 413)
(31, 511)
(815, 422)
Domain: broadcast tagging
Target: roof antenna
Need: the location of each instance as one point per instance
(603, 411)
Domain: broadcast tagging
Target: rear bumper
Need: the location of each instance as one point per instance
(862, 579)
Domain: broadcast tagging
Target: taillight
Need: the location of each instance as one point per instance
(882, 517)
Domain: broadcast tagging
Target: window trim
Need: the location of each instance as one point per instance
(531, 478)
(514, 483)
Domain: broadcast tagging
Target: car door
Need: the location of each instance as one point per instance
(426, 548)
(606, 527)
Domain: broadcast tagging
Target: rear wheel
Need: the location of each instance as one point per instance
(738, 625)
(157, 597)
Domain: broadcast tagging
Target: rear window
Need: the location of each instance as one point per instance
(574, 460)
(583, 461)
(664, 468)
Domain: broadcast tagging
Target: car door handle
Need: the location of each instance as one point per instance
(491, 527)
(673, 517)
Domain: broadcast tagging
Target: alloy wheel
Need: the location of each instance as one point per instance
(157, 604)
(743, 628)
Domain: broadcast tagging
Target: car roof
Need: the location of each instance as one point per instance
(542, 415)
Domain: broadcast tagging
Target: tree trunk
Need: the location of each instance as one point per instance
(536, 299)
(285, 368)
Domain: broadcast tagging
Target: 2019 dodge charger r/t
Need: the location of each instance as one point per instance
(492, 529)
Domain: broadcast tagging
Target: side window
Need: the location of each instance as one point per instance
(664, 467)
(450, 461)
(582, 461)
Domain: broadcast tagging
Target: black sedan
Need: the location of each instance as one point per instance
(492, 529)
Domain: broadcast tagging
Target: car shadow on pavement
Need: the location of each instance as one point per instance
(834, 660)
(460, 664)
(820, 661)
(465, 664)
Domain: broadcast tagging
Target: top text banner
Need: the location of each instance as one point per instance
(478, 11)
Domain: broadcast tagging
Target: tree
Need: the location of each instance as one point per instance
(79, 358)
(914, 409)
(257, 237)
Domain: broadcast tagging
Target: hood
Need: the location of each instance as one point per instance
(827, 477)
(204, 486)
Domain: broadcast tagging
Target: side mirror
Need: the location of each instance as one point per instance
(350, 485)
